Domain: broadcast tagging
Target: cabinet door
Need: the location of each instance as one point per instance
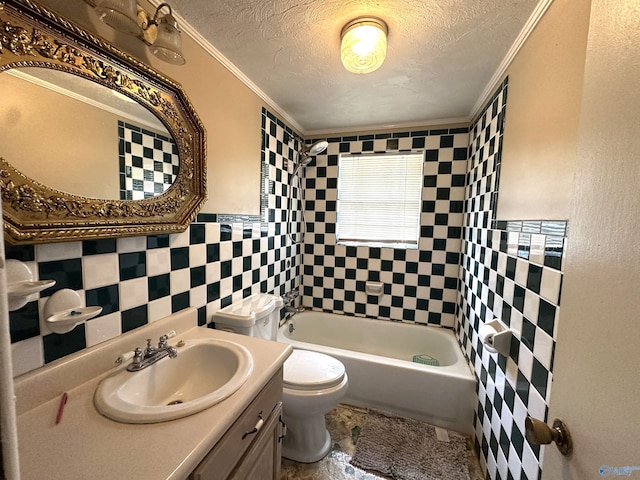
(262, 461)
(228, 453)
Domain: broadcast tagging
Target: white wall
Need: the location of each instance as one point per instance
(229, 110)
(596, 381)
(545, 86)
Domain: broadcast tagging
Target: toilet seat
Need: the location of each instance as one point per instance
(306, 370)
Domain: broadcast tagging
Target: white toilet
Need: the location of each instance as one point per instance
(314, 383)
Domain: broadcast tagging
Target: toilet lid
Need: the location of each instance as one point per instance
(305, 370)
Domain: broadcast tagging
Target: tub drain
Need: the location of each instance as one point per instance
(175, 402)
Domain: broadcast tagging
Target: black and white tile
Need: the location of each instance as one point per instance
(510, 270)
(469, 268)
(420, 285)
(219, 259)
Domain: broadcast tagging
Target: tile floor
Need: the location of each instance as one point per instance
(344, 423)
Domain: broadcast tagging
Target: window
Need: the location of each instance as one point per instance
(379, 199)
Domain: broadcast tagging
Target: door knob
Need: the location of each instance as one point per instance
(539, 433)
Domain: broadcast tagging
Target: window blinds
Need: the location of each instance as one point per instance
(379, 199)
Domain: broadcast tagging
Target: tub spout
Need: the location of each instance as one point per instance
(293, 310)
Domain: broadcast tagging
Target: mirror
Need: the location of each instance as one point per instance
(116, 140)
(93, 143)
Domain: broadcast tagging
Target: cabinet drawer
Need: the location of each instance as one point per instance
(224, 456)
(262, 460)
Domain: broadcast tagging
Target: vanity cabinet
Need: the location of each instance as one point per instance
(251, 448)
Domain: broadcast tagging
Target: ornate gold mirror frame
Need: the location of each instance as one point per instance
(31, 35)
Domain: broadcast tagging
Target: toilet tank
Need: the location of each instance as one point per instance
(257, 316)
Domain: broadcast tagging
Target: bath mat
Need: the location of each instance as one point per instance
(407, 449)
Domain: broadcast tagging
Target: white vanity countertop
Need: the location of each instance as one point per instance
(87, 445)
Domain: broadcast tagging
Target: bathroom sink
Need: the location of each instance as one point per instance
(205, 372)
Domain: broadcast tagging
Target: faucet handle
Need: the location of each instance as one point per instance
(162, 341)
(289, 297)
(137, 356)
(149, 348)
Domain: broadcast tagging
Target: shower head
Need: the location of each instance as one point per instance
(318, 147)
(308, 151)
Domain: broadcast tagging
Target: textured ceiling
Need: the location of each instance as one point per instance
(441, 55)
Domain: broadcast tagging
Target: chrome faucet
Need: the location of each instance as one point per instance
(289, 299)
(290, 296)
(292, 309)
(150, 355)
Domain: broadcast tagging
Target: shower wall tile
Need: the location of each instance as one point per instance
(419, 285)
(220, 258)
(510, 270)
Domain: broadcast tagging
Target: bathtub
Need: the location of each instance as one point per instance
(378, 356)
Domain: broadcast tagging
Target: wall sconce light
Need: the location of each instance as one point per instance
(364, 44)
(160, 33)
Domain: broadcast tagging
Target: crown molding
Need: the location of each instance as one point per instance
(446, 122)
(188, 29)
(524, 34)
(520, 40)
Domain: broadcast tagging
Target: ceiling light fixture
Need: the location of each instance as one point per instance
(364, 44)
(160, 33)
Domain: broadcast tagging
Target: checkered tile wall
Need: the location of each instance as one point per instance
(217, 260)
(149, 162)
(280, 192)
(419, 285)
(509, 270)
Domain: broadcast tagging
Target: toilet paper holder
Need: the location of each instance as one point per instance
(496, 337)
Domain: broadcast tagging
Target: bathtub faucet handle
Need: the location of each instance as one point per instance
(290, 296)
(289, 301)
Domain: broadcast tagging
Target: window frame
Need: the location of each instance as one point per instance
(398, 243)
